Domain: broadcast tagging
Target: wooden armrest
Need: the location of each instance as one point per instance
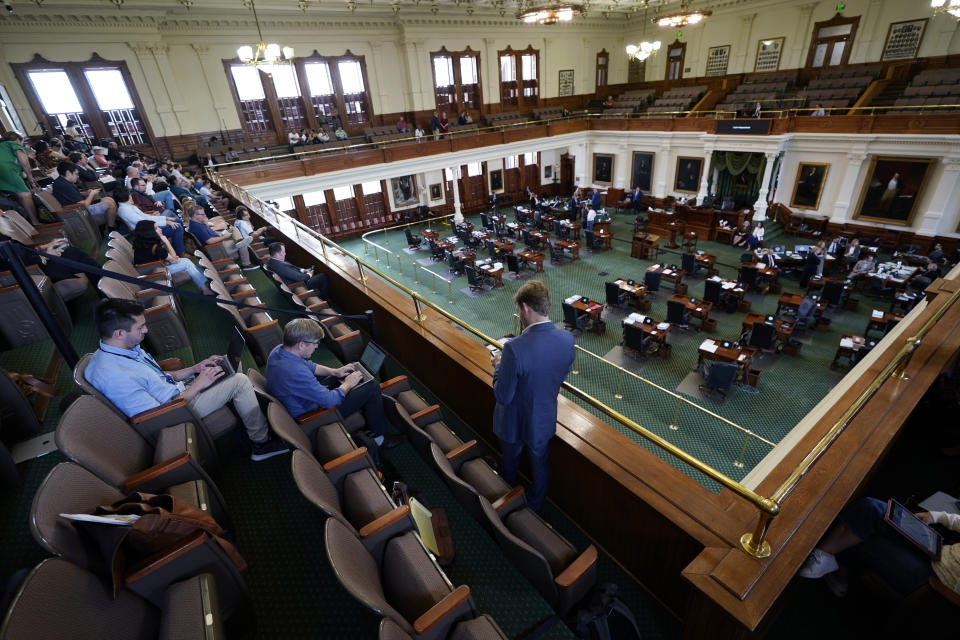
(312, 415)
(261, 327)
(462, 449)
(577, 568)
(156, 412)
(226, 272)
(165, 556)
(160, 308)
(347, 336)
(70, 207)
(214, 243)
(425, 412)
(146, 292)
(156, 471)
(298, 283)
(251, 309)
(442, 609)
(49, 225)
(170, 363)
(221, 261)
(384, 521)
(330, 319)
(345, 459)
(305, 294)
(318, 305)
(30, 383)
(154, 276)
(237, 281)
(392, 382)
(246, 293)
(154, 263)
(507, 498)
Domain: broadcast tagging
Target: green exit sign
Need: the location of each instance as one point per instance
(841, 7)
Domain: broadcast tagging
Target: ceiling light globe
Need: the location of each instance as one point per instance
(272, 52)
(245, 53)
(631, 49)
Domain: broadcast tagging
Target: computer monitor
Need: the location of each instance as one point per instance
(779, 248)
(372, 358)
(802, 248)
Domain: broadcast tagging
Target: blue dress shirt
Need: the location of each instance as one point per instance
(130, 378)
(291, 379)
(202, 232)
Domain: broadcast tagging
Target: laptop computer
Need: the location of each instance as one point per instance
(371, 361)
(230, 363)
(922, 535)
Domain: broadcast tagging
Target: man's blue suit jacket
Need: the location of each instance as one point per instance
(526, 384)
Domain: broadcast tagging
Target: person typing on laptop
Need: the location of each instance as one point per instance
(303, 386)
(863, 536)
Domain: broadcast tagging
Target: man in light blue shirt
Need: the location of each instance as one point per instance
(133, 381)
(302, 386)
(131, 215)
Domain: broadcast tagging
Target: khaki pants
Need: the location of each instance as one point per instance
(236, 389)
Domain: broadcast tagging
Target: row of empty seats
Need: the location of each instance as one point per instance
(938, 88)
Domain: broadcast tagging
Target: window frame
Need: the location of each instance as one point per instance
(95, 117)
(519, 93)
(603, 68)
(455, 94)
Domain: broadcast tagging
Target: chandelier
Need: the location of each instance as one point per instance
(951, 7)
(263, 53)
(683, 18)
(643, 50)
(550, 13)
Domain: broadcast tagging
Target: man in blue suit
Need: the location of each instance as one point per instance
(526, 381)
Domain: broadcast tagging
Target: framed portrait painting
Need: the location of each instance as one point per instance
(602, 169)
(811, 176)
(496, 180)
(404, 190)
(893, 189)
(642, 171)
(688, 174)
(436, 192)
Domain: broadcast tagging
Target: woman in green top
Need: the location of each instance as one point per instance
(14, 164)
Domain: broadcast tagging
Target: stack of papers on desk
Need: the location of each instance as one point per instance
(715, 279)
(572, 299)
(497, 265)
(846, 343)
(876, 314)
(728, 285)
(709, 345)
(663, 326)
(656, 266)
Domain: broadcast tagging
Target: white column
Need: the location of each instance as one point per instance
(581, 165)
(212, 68)
(705, 173)
(760, 206)
(168, 79)
(457, 213)
(848, 189)
(622, 165)
(161, 103)
(942, 213)
(661, 169)
(747, 46)
(799, 45)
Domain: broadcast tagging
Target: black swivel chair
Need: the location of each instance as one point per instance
(832, 293)
(712, 291)
(719, 378)
(572, 319)
(456, 266)
(484, 221)
(763, 336)
(746, 256)
(513, 265)
(635, 341)
(677, 313)
(413, 241)
(475, 281)
(652, 280)
(689, 263)
(436, 252)
(527, 239)
(558, 228)
(615, 295)
(749, 277)
(591, 241)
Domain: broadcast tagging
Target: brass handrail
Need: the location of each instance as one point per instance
(753, 542)
(675, 395)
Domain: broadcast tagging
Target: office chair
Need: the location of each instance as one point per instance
(677, 313)
(719, 378)
(832, 293)
(413, 241)
(473, 280)
(436, 252)
(652, 280)
(513, 265)
(556, 254)
(688, 262)
(749, 277)
(485, 221)
(572, 319)
(805, 315)
(456, 266)
(615, 295)
(558, 228)
(763, 336)
(712, 290)
(635, 341)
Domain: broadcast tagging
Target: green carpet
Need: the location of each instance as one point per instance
(789, 386)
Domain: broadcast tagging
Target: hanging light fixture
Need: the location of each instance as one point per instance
(643, 50)
(950, 7)
(263, 53)
(683, 18)
(550, 13)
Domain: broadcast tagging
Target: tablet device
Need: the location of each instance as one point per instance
(922, 535)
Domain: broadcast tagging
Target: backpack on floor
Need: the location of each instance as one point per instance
(604, 616)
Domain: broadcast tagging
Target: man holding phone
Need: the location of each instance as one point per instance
(66, 192)
(526, 380)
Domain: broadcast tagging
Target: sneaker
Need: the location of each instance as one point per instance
(818, 564)
(267, 449)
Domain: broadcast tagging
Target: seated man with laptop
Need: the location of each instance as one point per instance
(303, 386)
(885, 537)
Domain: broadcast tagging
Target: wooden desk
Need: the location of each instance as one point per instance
(699, 309)
(573, 228)
(731, 289)
(483, 234)
(645, 246)
(432, 234)
(766, 272)
(535, 257)
(539, 237)
(466, 254)
(706, 261)
(741, 356)
(568, 245)
(498, 220)
(788, 302)
(514, 228)
(604, 235)
(651, 331)
(636, 291)
(675, 276)
(505, 246)
(881, 323)
(675, 229)
(725, 235)
(547, 220)
(849, 348)
(592, 309)
(494, 272)
(784, 327)
(465, 227)
(601, 226)
(447, 244)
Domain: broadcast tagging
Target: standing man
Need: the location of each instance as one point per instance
(526, 380)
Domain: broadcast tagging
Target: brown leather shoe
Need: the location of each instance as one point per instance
(389, 442)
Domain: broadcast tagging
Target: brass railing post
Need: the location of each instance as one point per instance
(450, 290)
(416, 305)
(416, 270)
(674, 424)
(376, 254)
(576, 358)
(399, 264)
(754, 543)
(516, 320)
(901, 371)
(386, 236)
(323, 249)
(738, 463)
(363, 278)
(619, 394)
(434, 282)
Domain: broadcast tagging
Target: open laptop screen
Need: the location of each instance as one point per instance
(372, 358)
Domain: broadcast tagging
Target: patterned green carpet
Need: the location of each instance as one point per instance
(788, 388)
(293, 590)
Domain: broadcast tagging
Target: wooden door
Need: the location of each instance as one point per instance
(832, 41)
(566, 174)
(675, 55)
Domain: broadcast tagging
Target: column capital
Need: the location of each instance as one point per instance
(159, 49)
(856, 157)
(140, 48)
(807, 9)
(201, 49)
(747, 18)
(951, 164)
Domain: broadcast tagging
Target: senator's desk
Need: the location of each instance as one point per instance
(539, 238)
(656, 331)
(852, 348)
(547, 220)
(635, 291)
(506, 245)
(881, 321)
(465, 227)
(699, 309)
(784, 327)
(601, 226)
(706, 261)
(571, 246)
(730, 289)
(494, 270)
(666, 273)
(791, 302)
(664, 223)
(604, 235)
(571, 229)
(725, 235)
(714, 350)
(431, 234)
(645, 246)
(498, 220)
(515, 229)
(535, 257)
(891, 272)
(592, 309)
(448, 244)
(483, 234)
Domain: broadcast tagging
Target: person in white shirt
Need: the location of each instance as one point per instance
(756, 237)
(819, 111)
(418, 132)
(322, 136)
(244, 226)
(293, 138)
(591, 217)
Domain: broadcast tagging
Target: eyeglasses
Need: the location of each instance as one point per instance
(313, 342)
